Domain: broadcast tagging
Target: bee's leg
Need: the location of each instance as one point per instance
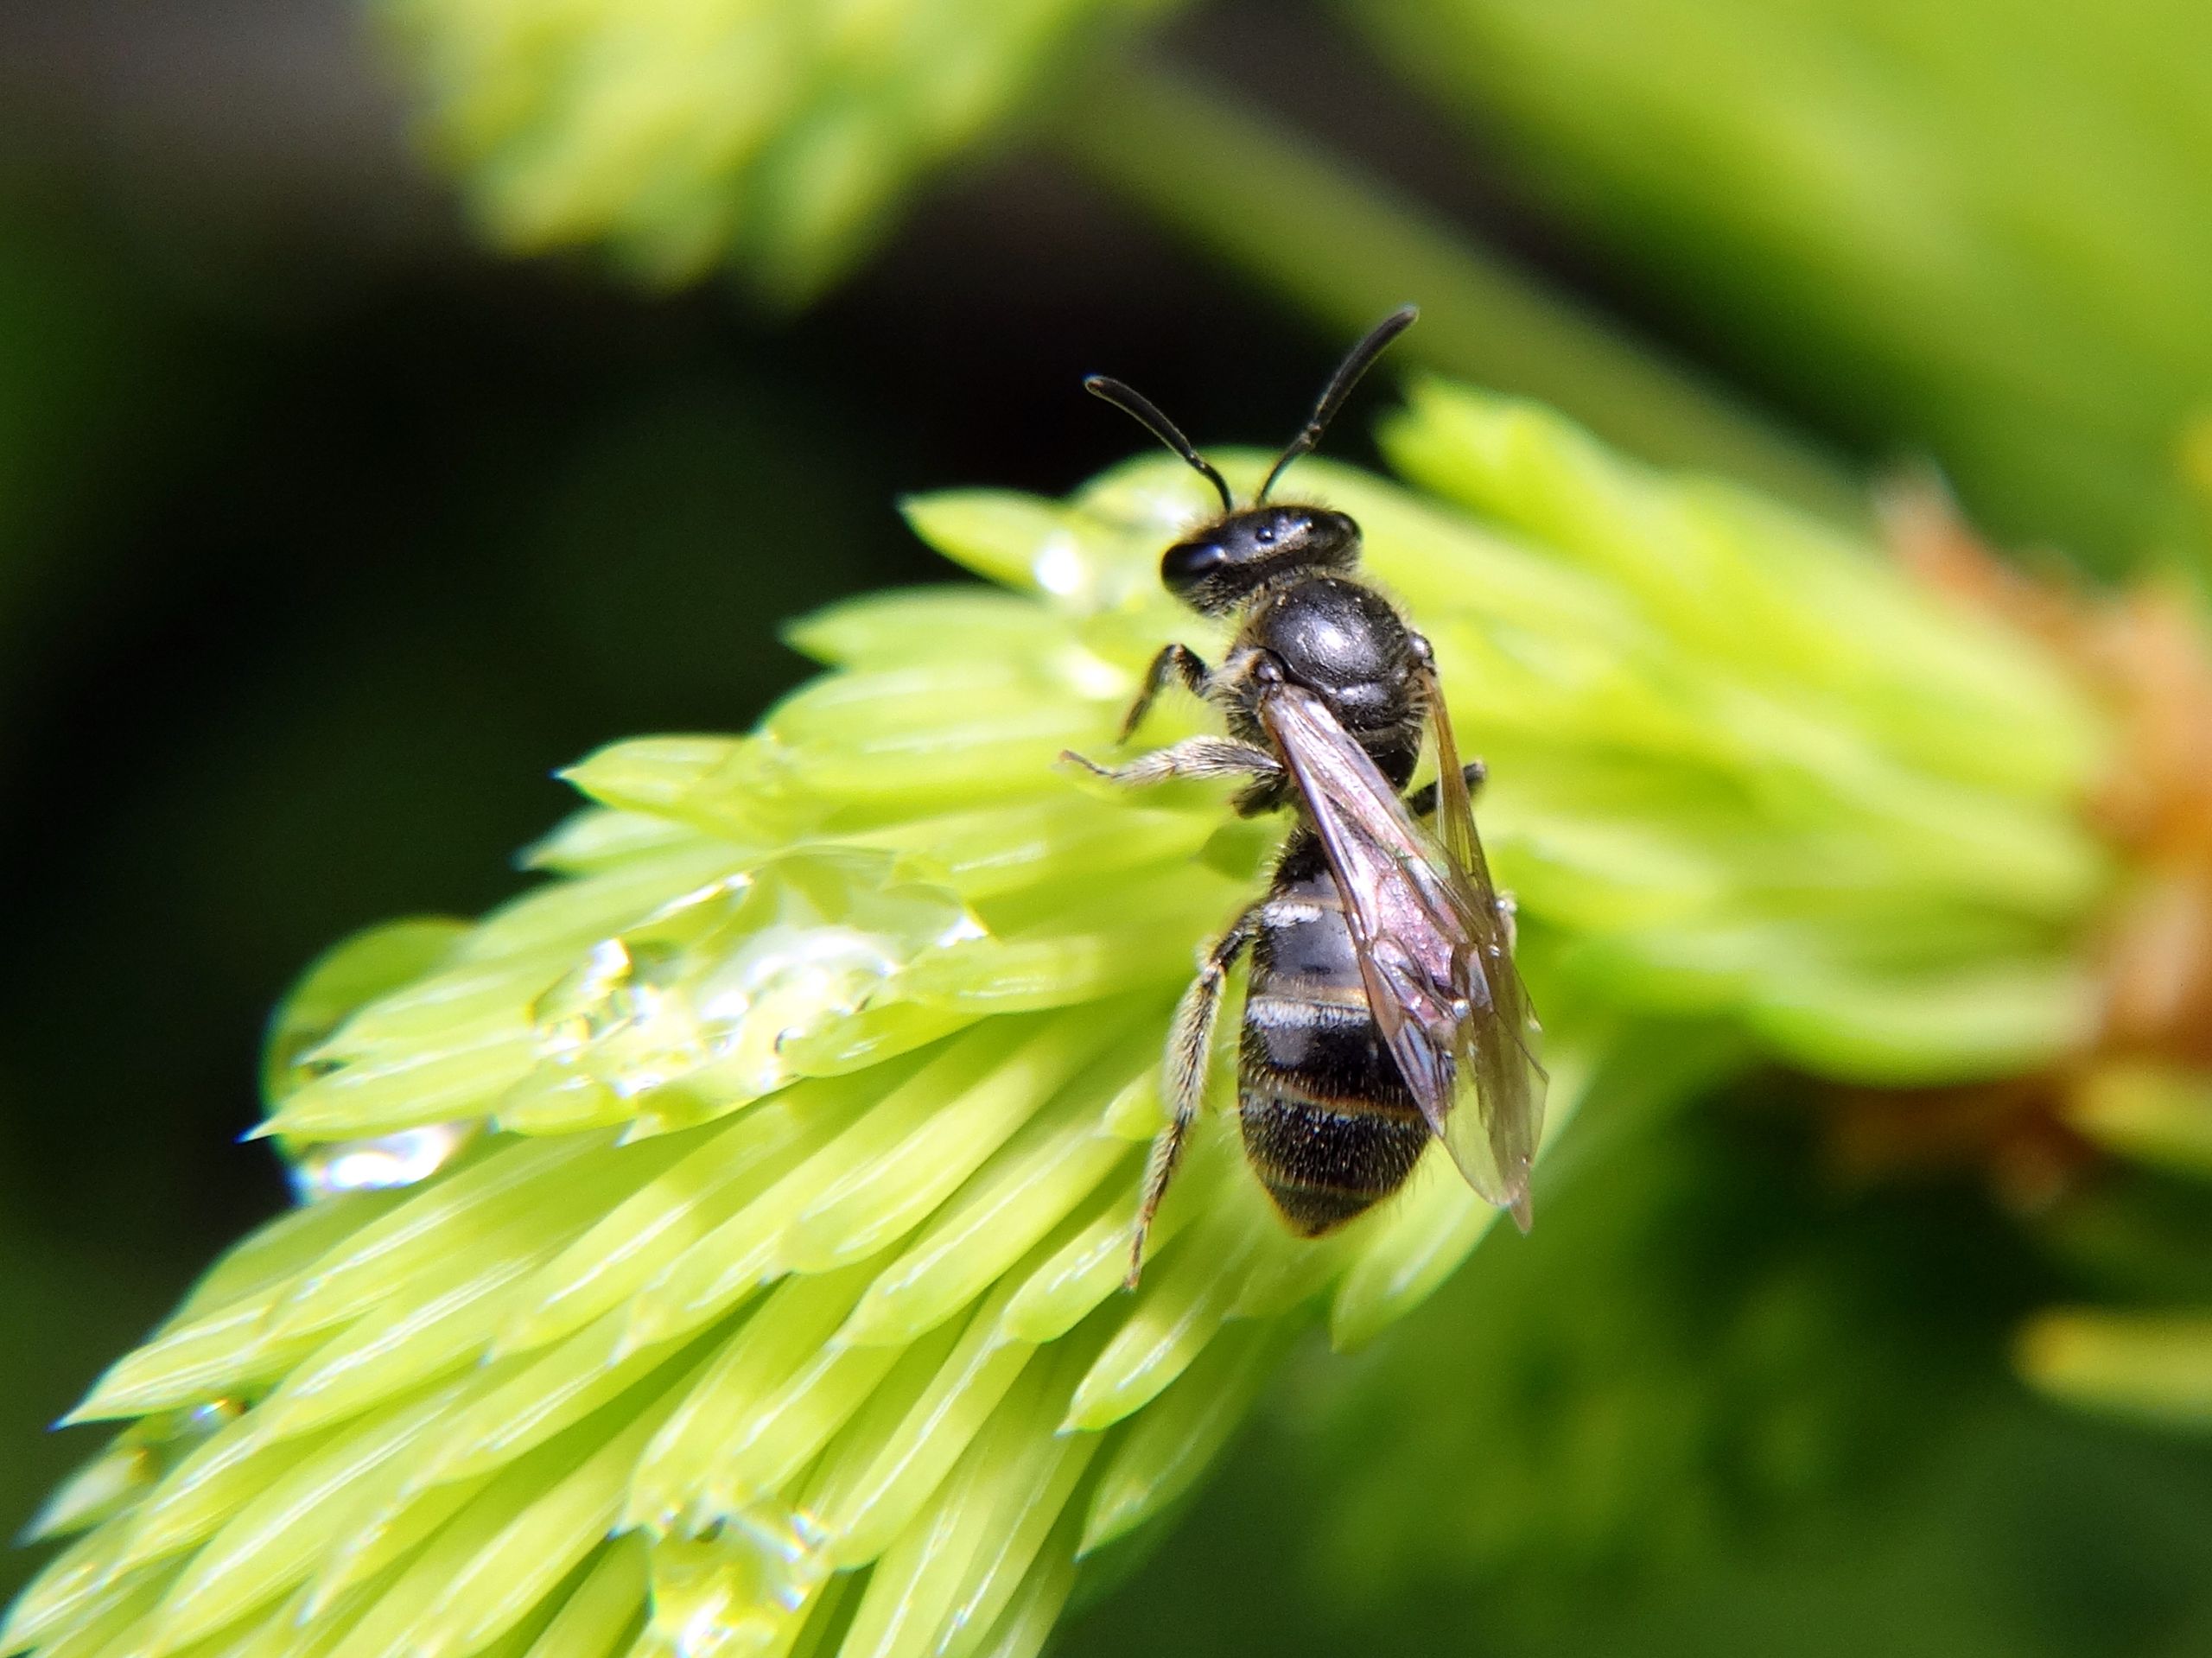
(1178, 660)
(1423, 801)
(1183, 1078)
(1194, 757)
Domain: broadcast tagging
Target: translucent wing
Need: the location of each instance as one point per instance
(1499, 1061)
(1433, 943)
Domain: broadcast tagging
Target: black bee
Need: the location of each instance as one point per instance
(1383, 1005)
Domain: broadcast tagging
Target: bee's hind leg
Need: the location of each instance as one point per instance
(1183, 1076)
(1423, 801)
(1194, 757)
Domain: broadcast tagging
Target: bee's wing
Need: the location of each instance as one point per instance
(1497, 1055)
(1433, 948)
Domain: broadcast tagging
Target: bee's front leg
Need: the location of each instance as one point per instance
(1194, 757)
(1178, 660)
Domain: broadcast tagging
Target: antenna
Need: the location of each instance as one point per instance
(1138, 408)
(1340, 387)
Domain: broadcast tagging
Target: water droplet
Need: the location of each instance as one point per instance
(379, 1164)
(587, 1002)
(715, 987)
(744, 1586)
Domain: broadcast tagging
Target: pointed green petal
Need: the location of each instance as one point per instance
(230, 1353)
(274, 1541)
(711, 1184)
(394, 1518)
(1431, 1228)
(915, 623)
(577, 914)
(513, 1182)
(1165, 1451)
(371, 1361)
(594, 840)
(772, 1443)
(1030, 1617)
(600, 1618)
(750, 1247)
(252, 1275)
(340, 980)
(208, 1486)
(117, 1477)
(1179, 1308)
(651, 775)
(944, 1583)
(73, 1587)
(869, 1490)
(559, 1386)
(900, 1183)
(1036, 1181)
(1041, 844)
(671, 1480)
(1090, 1264)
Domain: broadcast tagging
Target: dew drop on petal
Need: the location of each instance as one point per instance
(381, 1163)
(743, 1586)
(713, 988)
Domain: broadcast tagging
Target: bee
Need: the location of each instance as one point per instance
(1383, 1007)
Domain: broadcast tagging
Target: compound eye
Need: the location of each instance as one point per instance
(1189, 562)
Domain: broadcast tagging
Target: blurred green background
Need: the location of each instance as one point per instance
(326, 534)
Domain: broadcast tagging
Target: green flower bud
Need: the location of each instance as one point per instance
(777, 134)
(767, 1295)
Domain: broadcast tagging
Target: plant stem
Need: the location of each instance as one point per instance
(1344, 248)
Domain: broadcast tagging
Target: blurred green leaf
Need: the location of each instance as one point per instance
(776, 134)
(2157, 1365)
(1698, 1346)
(1978, 229)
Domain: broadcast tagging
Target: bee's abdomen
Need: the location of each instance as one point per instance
(1329, 1124)
(1325, 1165)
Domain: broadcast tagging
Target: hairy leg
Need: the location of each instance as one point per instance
(1183, 1077)
(1178, 660)
(1194, 757)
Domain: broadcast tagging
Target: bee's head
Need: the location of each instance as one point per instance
(1234, 556)
(1248, 547)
